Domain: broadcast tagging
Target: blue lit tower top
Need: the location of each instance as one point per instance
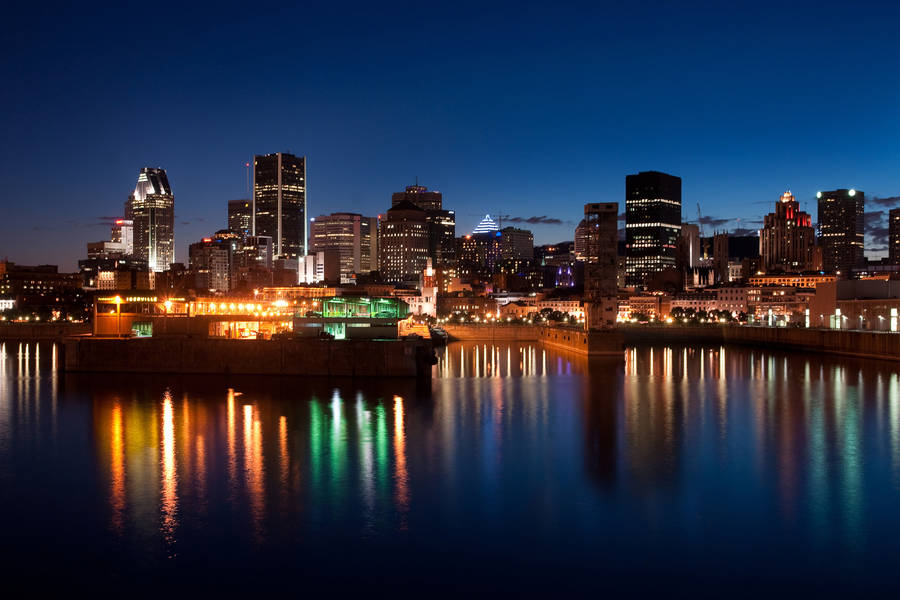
(487, 225)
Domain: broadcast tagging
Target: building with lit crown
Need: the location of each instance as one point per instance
(486, 225)
(152, 209)
(787, 239)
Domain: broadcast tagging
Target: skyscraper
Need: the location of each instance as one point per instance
(210, 263)
(279, 202)
(842, 229)
(441, 223)
(354, 236)
(240, 217)
(152, 209)
(420, 196)
(787, 239)
(404, 242)
(894, 236)
(516, 244)
(652, 224)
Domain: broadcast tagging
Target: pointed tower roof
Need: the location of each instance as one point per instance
(487, 225)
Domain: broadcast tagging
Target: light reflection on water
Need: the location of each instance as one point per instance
(674, 457)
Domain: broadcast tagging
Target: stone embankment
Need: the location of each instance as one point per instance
(345, 358)
(865, 344)
(42, 331)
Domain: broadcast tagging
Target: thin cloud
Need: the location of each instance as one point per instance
(876, 228)
(744, 231)
(890, 201)
(541, 220)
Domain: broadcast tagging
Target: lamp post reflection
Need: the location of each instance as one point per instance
(401, 477)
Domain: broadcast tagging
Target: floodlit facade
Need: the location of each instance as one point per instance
(652, 224)
(787, 239)
(842, 230)
(152, 209)
(279, 202)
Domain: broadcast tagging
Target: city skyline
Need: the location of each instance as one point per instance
(744, 116)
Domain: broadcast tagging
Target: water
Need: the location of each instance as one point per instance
(522, 471)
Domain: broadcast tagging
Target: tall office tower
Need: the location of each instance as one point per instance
(516, 244)
(152, 209)
(240, 217)
(600, 289)
(582, 237)
(441, 236)
(652, 224)
(787, 239)
(354, 236)
(420, 196)
(404, 242)
(842, 230)
(894, 236)
(279, 202)
(441, 223)
(122, 232)
(210, 262)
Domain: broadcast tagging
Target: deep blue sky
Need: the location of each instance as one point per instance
(524, 109)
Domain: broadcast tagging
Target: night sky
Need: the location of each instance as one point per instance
(526, 110)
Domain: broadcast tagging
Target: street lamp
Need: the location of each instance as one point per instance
(118, 301)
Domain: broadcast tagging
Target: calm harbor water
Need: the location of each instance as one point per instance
(519, 471)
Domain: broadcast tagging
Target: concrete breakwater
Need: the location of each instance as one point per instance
(315, 357)
(42, 331)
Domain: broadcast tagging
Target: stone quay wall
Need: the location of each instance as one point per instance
(42, 331)
(345, 358)
(565, 338)
(864, 344)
